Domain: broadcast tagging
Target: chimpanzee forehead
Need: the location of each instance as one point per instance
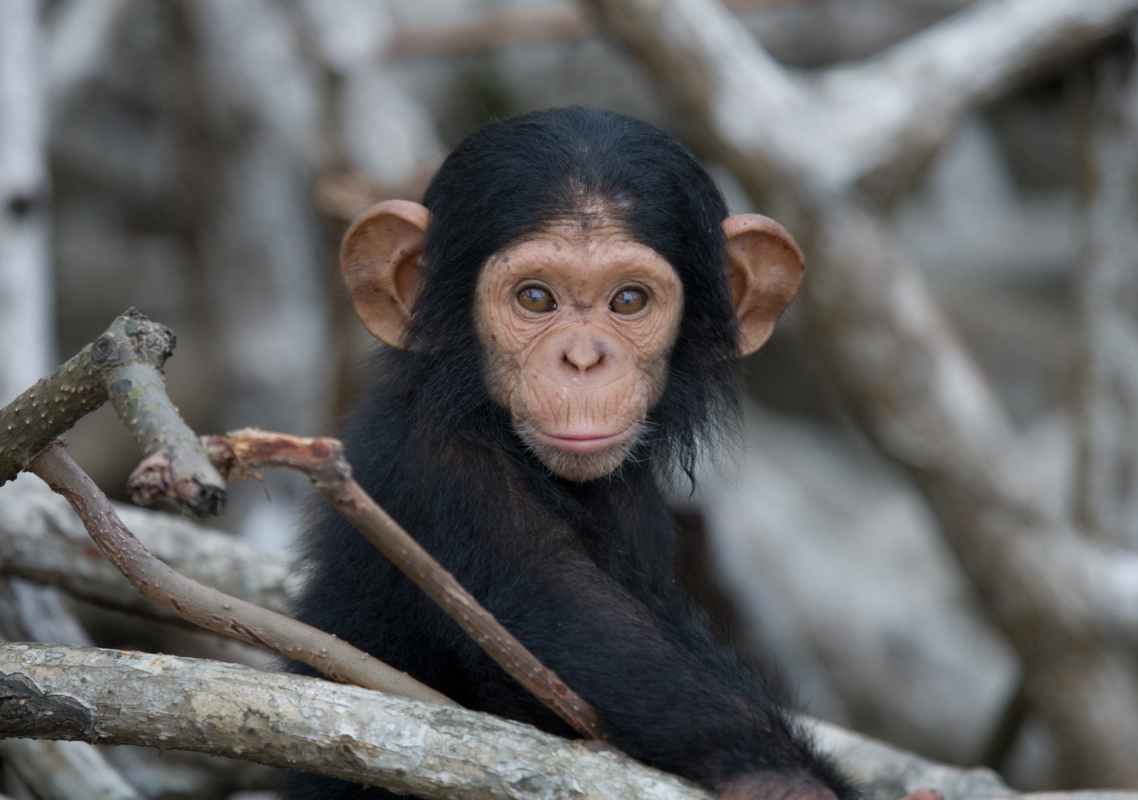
(585, 218)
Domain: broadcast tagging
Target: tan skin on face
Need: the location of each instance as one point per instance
(576, 374)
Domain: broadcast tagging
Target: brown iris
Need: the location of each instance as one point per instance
(629, 300)
(537, 299)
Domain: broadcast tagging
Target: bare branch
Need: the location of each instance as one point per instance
(54, 770)
(42, 540)
(430, 751)
(928, 406)
(208, 607)
(917, 92)
(130, 356)
(887, 772)
(868, 124)
(49, 408)
(1106, 402)
(241, 452)
(113, 697)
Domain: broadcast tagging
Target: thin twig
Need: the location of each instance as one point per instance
(43, 541)
(240, 453)
(207, 607)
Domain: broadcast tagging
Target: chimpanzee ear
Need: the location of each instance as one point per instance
(380, 261)
(766, 270)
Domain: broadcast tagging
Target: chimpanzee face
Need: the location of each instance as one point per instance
(576, 324)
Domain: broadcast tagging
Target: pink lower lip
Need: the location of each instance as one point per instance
(585, 444)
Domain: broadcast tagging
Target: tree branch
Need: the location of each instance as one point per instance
(42, 540)
(1105, 408)
(124, 365)
(208, 607)
(293, 722)
(867, 125)
(240, 453)
(113, 697)
(918, 92)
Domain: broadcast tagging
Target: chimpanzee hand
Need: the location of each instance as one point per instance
(770, 785)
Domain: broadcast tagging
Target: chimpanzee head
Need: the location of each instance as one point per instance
(578, 268)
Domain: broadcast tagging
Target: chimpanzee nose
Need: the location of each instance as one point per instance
(583, 353)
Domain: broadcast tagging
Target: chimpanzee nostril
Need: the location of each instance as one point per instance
(583, 354)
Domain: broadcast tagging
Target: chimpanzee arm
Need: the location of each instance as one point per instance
(667, 694)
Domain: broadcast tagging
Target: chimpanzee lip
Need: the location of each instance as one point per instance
(585, 442)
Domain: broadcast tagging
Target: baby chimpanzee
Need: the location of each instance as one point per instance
(564, 312)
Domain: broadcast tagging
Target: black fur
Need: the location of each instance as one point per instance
(580, 573)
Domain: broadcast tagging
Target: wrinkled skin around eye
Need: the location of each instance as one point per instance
(576, 326)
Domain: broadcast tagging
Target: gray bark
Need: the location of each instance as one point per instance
(1106, 410)
(303, 723)
(55, 770)
(294, 722)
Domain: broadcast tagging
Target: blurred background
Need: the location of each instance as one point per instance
(201, 159)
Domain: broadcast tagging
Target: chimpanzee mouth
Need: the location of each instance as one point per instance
(584, 442)
(579, 456)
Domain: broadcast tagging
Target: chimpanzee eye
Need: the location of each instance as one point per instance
(629, 300)
(537, 299)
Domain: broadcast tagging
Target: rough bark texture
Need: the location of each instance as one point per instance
(434, 752)
(294, 722)
(46, 410)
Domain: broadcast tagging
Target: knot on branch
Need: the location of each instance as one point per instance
(29, 711)
(238, 454)
(133, 339)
